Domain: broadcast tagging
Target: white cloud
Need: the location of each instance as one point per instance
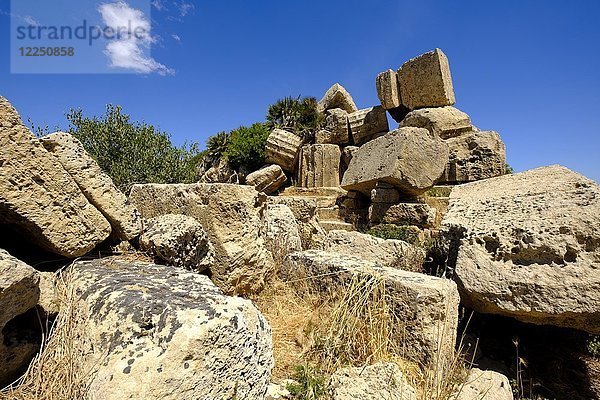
(159, 5)
(176, 37)
(127, 49)
(30, 20)
(184, 7)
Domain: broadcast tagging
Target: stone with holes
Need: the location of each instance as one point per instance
(488, 385)
(529, 247)
(474, 156)
(230, 214)
(178, 240)
(425, 81)
(158, 332)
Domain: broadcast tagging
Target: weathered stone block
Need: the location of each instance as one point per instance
(19, 292)
(336, 128)
(337, 97)
(410, 159)
(425, 81)
(95, 184)
(529, 247)
(367, 124)
(155, 332)
(445, 122)
(230, 214)
(388, 89)
(418, 214)
(475, 156)
(282, 149)
(320, 165)
(428, 305)
(40, 197)
(267, 179)
(178, 240)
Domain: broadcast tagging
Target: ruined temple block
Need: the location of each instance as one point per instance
(367, 124)
(337, 97)
(425, 81)
(388, 89)
(475, 156)
(409, 159)
(319, 165)
(445, 122)
(282, 149)
(336, 129)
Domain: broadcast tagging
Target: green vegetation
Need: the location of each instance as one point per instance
(246, 147)
(297, 115)
(391, 231)
(133, 152)
(593, 346)
(508, 170)
(216, 146)
(310, 383)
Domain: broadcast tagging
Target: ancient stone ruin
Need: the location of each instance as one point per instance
(168, 292)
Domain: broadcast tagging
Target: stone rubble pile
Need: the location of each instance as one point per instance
(525, 246)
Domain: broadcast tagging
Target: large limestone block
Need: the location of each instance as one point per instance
(157, 332)
(19, 292)
(427, 305)
(230, 214)
(267, 179)
(40, 197)
(178, 240)
(282, 149)
(280, 231)
(385, 252)
(95, 184)
(425, 81)
(372, 382)
(337, 97)
(486, 385)
(475, 156)
(388, 89)
(418, 214)
(445, 122)
(530, 247)
(305, 214)
(320, 165)
(336, 129)
(410, 159)
(367, 124)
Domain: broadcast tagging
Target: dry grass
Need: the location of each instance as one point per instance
(55, 373)
(352, 325)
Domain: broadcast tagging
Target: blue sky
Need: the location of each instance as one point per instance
(527, 69)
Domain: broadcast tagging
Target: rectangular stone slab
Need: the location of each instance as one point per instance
(427, 305)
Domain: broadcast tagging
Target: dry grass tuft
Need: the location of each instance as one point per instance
(55, 373)
(351, 325)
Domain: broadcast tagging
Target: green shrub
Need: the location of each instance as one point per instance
(508, 170)
(133, 152)
(593, 346)
(216, 145)
(246, 146)
(390, 231)
(297, 115)
(310, 383)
